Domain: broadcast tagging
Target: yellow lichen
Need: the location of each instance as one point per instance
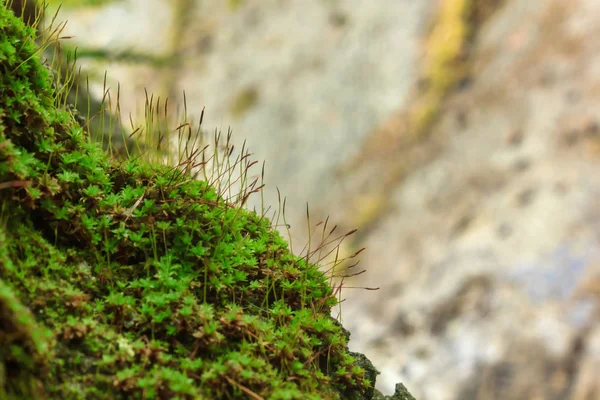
(443, 64)
(243, 101)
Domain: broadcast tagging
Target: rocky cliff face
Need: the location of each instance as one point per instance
(131, 279)
(489, 245)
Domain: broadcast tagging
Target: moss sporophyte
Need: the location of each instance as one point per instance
(144, 277)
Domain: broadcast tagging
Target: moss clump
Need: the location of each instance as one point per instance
(133, 280)
(24, 347)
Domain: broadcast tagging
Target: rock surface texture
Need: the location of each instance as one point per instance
(489, 249)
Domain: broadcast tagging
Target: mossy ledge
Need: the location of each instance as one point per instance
(126, 279)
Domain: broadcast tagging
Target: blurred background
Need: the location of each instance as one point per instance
(462, 138)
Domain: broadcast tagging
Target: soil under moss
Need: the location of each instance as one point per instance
(125, 279)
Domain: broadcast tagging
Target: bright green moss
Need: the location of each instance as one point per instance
(131, 280)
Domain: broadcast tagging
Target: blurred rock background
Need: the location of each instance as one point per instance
(461, 137)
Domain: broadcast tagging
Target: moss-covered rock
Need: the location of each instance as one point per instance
(126, 279)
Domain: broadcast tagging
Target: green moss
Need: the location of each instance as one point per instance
(125, 279)
(24, 350)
